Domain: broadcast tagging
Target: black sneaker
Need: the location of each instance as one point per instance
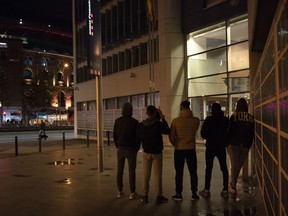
(195, 197)
(177, 197)
(161, 199)
(144, 199)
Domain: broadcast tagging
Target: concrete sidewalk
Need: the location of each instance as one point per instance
(67, 182)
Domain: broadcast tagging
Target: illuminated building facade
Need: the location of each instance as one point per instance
(36, 74)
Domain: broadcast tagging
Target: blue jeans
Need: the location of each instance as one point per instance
(180, 156)
(131, 156)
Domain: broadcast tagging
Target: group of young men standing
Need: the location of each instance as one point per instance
(218, 131)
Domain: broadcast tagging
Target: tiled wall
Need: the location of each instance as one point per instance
(270, 101)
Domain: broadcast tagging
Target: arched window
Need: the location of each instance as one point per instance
(60, 78)
(28, 60)
(44, 62)
(27, 74)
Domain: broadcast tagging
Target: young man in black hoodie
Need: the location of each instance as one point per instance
(150, 133)
(127, 144)
(215, 132)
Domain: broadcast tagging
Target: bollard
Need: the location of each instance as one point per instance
(87, 138)
(16, 146)
(108, 137)
(40, 147)
(63, 140)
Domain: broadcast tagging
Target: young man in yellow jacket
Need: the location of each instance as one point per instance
(182, 137)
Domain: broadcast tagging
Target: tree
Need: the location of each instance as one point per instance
(38, 94)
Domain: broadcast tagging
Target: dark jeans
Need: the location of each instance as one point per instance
(221, 156)
(180, 156)
(131, 156)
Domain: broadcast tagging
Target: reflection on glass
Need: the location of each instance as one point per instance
(211, 85)
(239, 81)
(207, 63)
(237, 31)
(238, 56)
(206, 39)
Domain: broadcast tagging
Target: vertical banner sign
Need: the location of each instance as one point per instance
(94, 66)
(94, 36)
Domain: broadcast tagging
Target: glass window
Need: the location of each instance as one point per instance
(27, 74)
(104, 67)
(44, 62)
(135, 56)
(138, 100)
(207, 63)
(109, 65)
(115, 63)
(238, 56)
(237, 30)
(28, 61)
(111, 103)
(128, 54)
(121, 61)
(238, 81)
(143, 53)
(91, 105)
(211, 85)
(121, 101)
(206, 39)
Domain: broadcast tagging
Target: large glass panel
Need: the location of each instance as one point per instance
(206, 39)
(211, 85)
(208, 101)
(207, 63)
(138, 101)
(237, 31)
(238, 56)
(238, 81)
(197, 109)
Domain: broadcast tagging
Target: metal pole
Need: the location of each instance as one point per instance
(99, 122)
(16, 146)
(87, 138)
(63, 140)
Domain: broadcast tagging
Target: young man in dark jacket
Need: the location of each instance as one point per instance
(215, 132)
(241, 136)
(127, 144)
(150, 133)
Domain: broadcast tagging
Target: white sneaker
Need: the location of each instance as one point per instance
(120, 194)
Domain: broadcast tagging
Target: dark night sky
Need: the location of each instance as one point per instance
(57, 13)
